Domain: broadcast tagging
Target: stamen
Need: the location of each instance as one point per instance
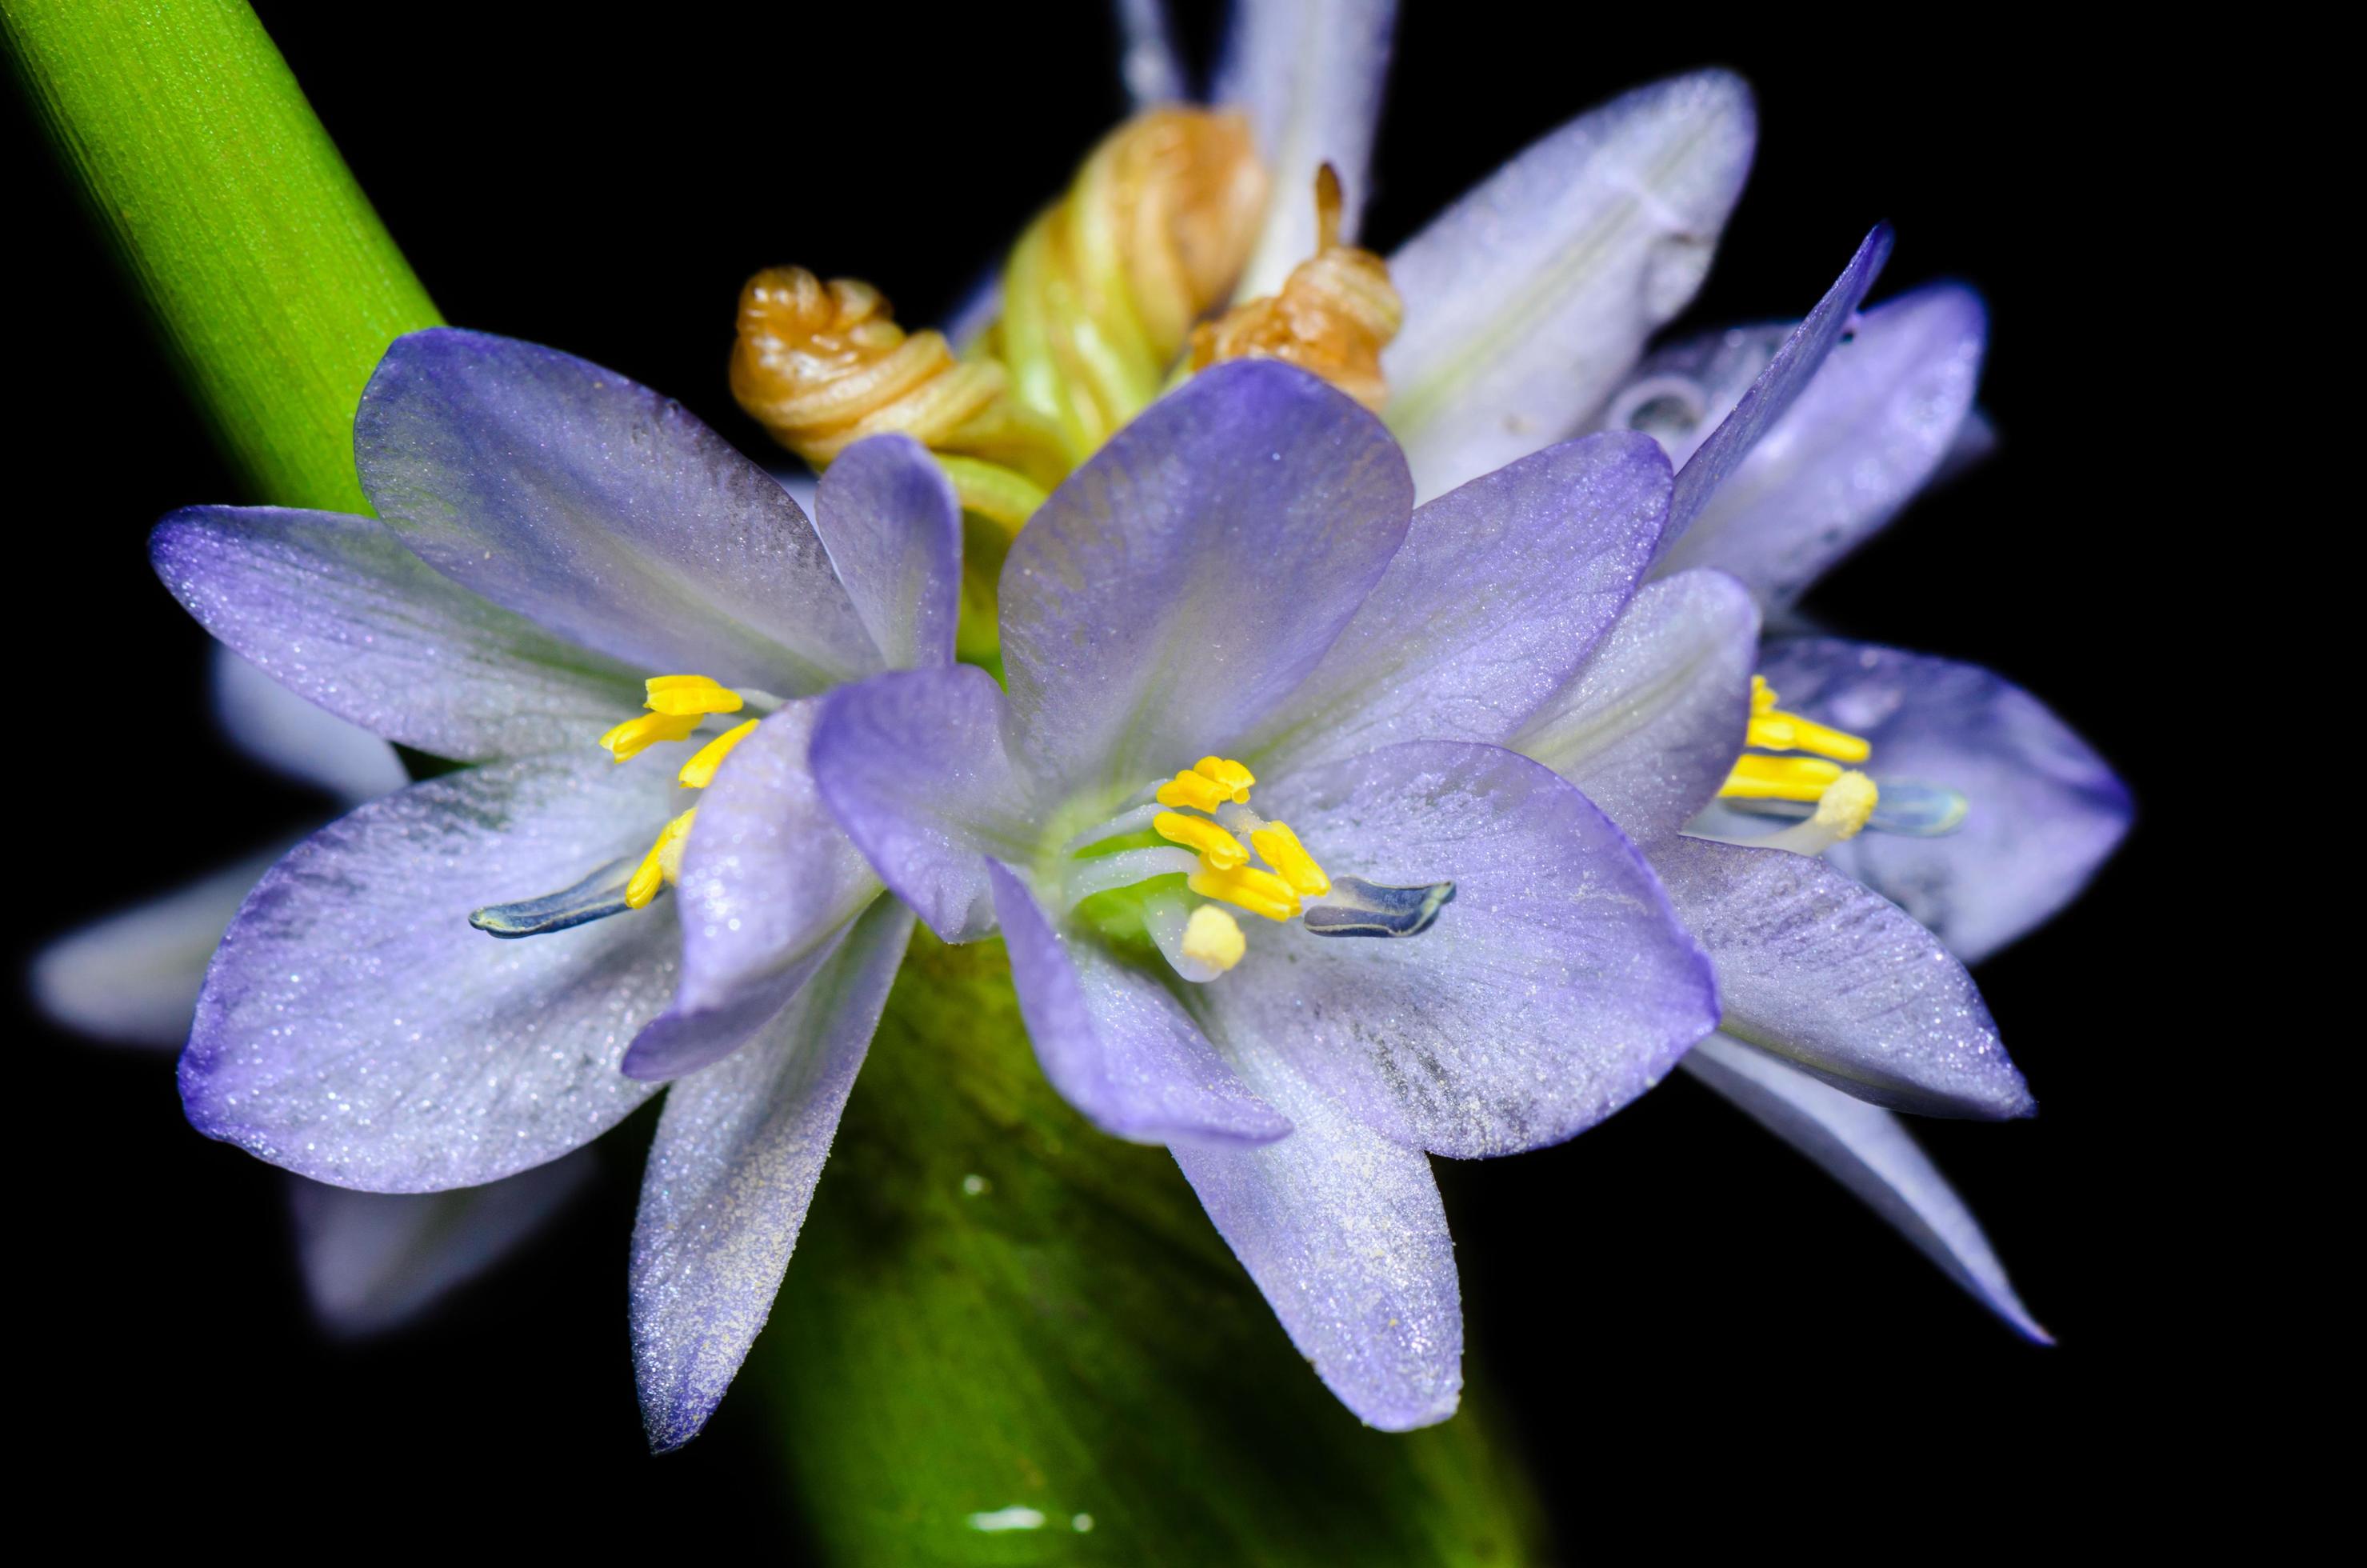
(661, 867)
(597, 897)
(639, 734)
(1279, 848)
(1214, 939)
(1842, 811)
(1335, 314)
(1229, 773)
(1774, 730)
(1220, 849)
(1259, 892)
(1196, 790)
(1359, 908)
(1780, 778)
(696, 694)
(700, 771)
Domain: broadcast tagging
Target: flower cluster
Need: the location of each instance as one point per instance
(1384, 761)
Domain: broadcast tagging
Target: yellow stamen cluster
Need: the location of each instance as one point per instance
(1845, 798)
(661, 867)
(1334, 315)
(678, 705)
(1225, 871)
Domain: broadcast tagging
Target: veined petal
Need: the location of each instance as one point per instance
(1779, 385)
(1839, 982)
(888, 515)
(2043, 809)
(1308, 73)
(299, 738)
(1344, 1231)
(1500, 590)
(731, 1173)
(768, 882)
(1864, 436)
(1555, 988)
(602, 512)
(335, 609)
(1528, 300)
(355, 1028)
(132, 978)
(1869, 1151)
(371, 1260)
(912, 766)
(1194, 571)
(1116, 1044)
(1650, 724)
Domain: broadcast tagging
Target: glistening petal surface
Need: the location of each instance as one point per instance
(888, 516)
(356, 1030)
(602, 512)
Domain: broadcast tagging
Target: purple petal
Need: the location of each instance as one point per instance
(731, 1174)
(1839, 981)
(1778, 386)
(1115, 1043)
(355, 1028)
(1344, 1231)
(132, 978)
(1650, 724)
(1555, 988)
(1527, 300)
(1500, 588)
(2043, 809)
(335, 609)
(1147, 62)
(372, 1260)
(297, 737)
(888, 515)
(768, 882)
(1866, 434)
(1308, 74)
(1194, 571)
(913, 768)
(1868, 1151)
(602, 512)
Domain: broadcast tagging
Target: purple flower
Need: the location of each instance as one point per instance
(553, 537)
(1251, 686)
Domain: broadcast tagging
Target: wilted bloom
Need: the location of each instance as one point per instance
(1271, 897)
(553, 534)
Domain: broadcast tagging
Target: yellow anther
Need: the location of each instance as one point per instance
(1246, 887)
(637, 734)
(1773, 730)
(1846, 804)
(661, 867)
(1214, 937)
(1763, 695)
(700, 771)
(1757, 777)
(691, 694)
(1217, 849)
(1194, 791)
(1279, 848)
(1229, 773)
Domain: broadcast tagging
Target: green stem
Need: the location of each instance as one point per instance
(273, 284)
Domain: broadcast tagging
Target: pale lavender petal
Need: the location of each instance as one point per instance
(768, 882)
(335, 609)
(356, 1030)
(1779, 386)
(1839, 981)
(371, 1260)
(1308, 74)
(888, 515)
(731, 1174)
(1557, 987)
(602, 512)
(1179, 584)
(913, 768)
(1148, 62)
(1868, 433)
(1500, 588)
(1869, 1151)
(1115, 1043)
(1344, 1231)
(132, 978)
(299, 738)
(1650, 724)
(2043, 809)
(1529, 299)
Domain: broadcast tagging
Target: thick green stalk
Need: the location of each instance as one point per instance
(1009, 1338)
(273, 284)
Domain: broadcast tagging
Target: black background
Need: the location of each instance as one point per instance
(1694, 1324)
